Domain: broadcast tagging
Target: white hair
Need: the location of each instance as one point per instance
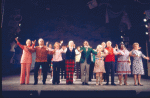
(70, 42)
(109, 42)
(40, 39)
(28, 40)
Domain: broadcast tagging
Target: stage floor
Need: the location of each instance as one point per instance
(12, 83)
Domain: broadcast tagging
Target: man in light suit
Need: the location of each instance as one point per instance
(85, 62)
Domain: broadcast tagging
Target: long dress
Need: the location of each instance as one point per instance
(137, 62)
(123, 64)
(99, 64)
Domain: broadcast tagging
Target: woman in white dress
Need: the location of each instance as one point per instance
(137, 63)
(123, 64)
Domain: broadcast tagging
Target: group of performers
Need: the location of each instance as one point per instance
(104, 61)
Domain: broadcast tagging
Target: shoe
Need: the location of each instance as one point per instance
(140, 84)
(35, 83)
(22, 83)
(44, 83)
(86, 84)
(82, 83)
(135, 84)
(107, 84)
(113, 84)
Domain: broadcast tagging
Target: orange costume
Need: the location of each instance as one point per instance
(26, 60)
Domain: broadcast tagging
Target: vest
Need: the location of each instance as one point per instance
(70, 55)
(110, 57)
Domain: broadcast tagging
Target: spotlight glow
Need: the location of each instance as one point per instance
(146, 33)
(144, 20)
(146, 26)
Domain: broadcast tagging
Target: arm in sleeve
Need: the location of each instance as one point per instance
(115, 52)
(94, 52)
(21, 46)
(143, 55)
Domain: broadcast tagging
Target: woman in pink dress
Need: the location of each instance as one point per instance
(26, 60)
(99, 67)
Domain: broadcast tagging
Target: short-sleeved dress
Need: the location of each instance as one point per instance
(123, 64)
(137, 62)
(99, 64)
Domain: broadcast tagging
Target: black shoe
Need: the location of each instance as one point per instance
(107, 84)
(113, 84)
(140, 84)
(86, 84)
(35, 83)
(44, 83)
(82, 83)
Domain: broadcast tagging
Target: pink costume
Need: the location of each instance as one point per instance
(26, 60)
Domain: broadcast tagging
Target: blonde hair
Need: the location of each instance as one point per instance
(56, 44)
(40, 39)
(98, 46)
(135, 44)
(103, 42)
(70, 42)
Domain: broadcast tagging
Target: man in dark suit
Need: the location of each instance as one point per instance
(85, 62)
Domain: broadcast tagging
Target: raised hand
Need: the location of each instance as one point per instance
(33, 42)
(16, 39)
(46, 43)
(61, 41)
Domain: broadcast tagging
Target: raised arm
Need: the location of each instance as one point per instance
(94, 52)
(18, 43)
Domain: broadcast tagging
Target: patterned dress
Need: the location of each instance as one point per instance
(99, 64)
(137, 62)
(123, 64)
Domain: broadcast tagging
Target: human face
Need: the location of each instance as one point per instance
(57, 46)
(100, 48)
(28, 42)
(50, 46)
(122, 46)
(71, 44)
(136, 47)
(86, 43)
(108, 44)
(103, 45)
(41, 42)
(78, 48)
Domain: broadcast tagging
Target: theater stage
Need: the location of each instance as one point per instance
(11, 88)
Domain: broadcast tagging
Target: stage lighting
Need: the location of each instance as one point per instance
(19, 24)
(121, 36)
(146, 33)
(146, 26)
(144, 20)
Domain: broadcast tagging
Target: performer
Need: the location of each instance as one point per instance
(103, 44)
(70, 62)
(57, 59)
(26, 60)
(41, 59)
(85, 62)
(77, 58)
(137, 68)
(91, 66)
(99, 67)
(123, 64)
(110, 62)
(63, 68)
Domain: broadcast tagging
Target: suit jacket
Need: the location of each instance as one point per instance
(86, 55)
